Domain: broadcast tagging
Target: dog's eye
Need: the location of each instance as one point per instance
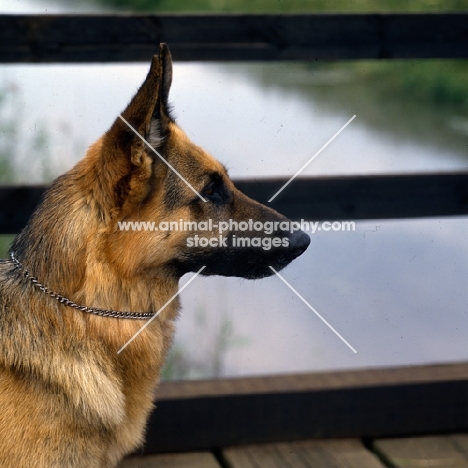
(209, 191)
(214, 192)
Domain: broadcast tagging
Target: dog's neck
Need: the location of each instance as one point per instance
(68, 302)
(126, 300)
(127, 294)
(77, 267)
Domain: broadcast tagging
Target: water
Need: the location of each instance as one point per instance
(396, 290)
(255, 131)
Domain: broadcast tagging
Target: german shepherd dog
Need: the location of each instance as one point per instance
(75, 285)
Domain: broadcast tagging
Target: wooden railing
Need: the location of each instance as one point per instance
(119, 38)
(318, 198)
(198, 415)
(130, 38)
(373, 403)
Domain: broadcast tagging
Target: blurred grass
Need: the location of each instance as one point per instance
(439, 82)
(283, 6)
(5, 242)
(441, 85)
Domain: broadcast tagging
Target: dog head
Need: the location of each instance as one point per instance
(170, 205)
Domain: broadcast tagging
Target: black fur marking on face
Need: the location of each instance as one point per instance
(215, 191)
(248, 263)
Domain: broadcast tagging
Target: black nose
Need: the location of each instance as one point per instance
(298, 242)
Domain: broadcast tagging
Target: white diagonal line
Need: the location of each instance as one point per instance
(313, 310)
(312, 158)
(160, 310)
(162, 159)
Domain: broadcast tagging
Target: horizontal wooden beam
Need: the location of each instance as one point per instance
(319, 198)
(366, 404)
(200, 37)
(17, 204)
(365, 197)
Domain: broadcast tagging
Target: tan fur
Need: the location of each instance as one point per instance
(67, 398)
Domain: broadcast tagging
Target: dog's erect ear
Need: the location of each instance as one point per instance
(148, 111)
(161, 116)
(166, 64)
(126, 161)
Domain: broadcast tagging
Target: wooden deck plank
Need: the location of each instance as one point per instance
(416, 452)
(182, 460)
(461, 442)
(332, 380)
(307, 454)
